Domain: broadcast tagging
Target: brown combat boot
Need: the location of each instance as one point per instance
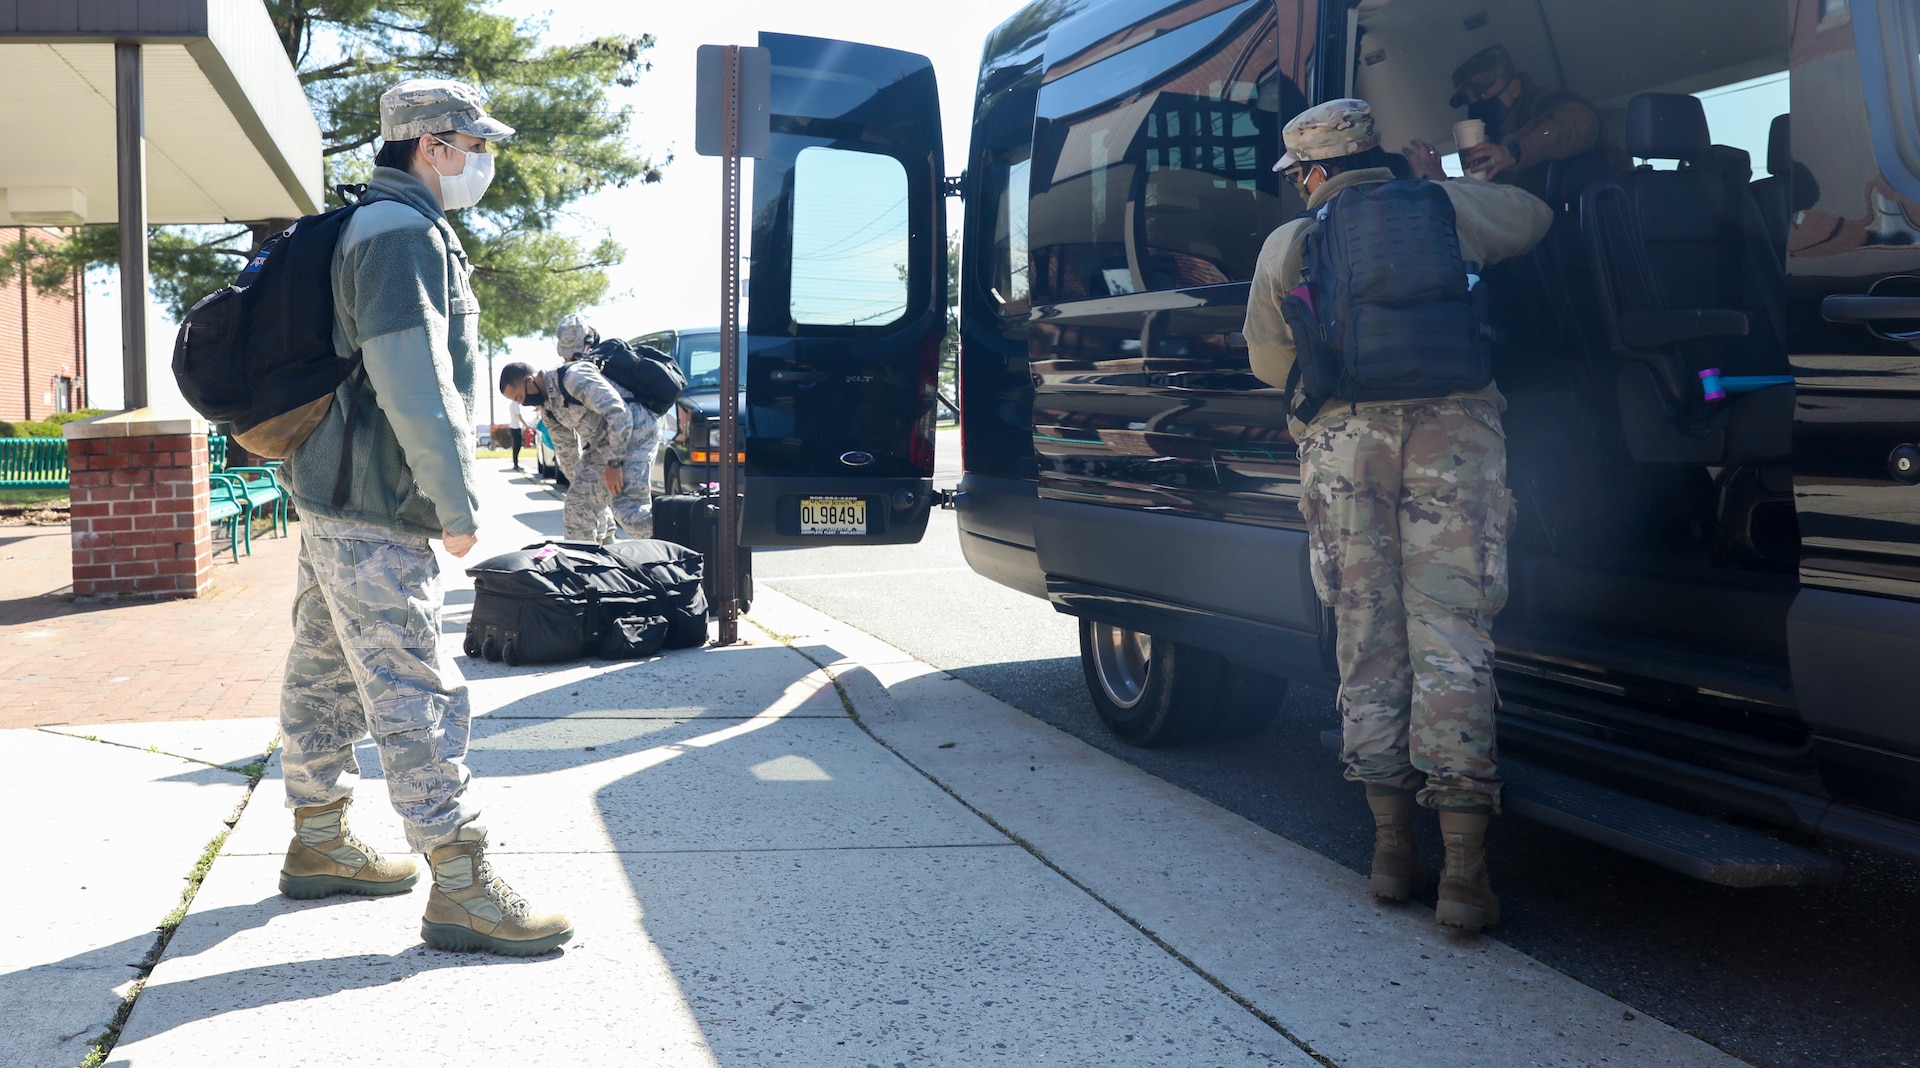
(326, 858)
(471, 909)
(1466, 896)
(1398, 873)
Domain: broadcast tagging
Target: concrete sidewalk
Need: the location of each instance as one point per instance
(808, 849)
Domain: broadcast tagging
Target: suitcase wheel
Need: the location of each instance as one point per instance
(511, 653)
(490, 649)
(472, 646)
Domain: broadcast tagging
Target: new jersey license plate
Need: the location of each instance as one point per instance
(833, 515)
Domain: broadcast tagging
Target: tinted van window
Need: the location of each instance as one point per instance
(850, 235)
(1152, 167)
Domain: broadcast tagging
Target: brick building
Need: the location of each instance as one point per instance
(43, 343)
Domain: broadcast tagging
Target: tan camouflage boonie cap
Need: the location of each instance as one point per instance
(421, 106)
(1328, 131)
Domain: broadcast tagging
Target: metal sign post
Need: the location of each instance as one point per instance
(730, 120)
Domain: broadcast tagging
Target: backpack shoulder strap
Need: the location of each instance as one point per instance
(560, 380)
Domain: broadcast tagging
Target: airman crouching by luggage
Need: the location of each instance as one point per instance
(1403, 490)
(612, 435)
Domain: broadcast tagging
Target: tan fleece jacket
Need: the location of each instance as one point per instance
(1495, 223)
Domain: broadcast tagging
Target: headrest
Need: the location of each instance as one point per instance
(1779, 147)
(1667, 126)
(1735, 164)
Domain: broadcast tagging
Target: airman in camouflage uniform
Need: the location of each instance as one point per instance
(1407, 513)
(612, 435)
(388, 467)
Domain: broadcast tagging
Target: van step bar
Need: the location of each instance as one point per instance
(1701, 847)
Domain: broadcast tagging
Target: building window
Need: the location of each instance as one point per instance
(62, 394)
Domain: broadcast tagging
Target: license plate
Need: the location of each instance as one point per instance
(833, 515)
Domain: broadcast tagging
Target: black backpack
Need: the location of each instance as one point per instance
(258, 355)
(1386, 309)
(646, 374)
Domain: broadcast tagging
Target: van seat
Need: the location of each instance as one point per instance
(1686, 279)
(1788, 188)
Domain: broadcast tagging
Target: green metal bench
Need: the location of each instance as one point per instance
(33, 463)
(227, 503)
(260, 486)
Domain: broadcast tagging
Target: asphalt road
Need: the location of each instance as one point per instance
(1791, 976)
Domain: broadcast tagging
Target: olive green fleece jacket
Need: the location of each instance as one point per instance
(1494, 222)
(401, 297)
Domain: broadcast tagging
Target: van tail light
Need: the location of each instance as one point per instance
(920, 450)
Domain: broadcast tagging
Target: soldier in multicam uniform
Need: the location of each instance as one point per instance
(610, 433)
(1407, 511)
(388, 468)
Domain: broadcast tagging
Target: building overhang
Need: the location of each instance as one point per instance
(230, 135)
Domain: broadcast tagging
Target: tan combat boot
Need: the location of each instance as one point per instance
(1398, 873)
(326, 858)
(470, 908)
(1466, 896)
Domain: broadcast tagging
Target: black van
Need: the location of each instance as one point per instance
(1715, 618)
(690, 441)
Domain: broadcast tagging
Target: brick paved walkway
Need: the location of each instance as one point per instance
(215, 657)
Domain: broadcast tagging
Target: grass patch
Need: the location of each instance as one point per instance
(33, 496)
(494, 454)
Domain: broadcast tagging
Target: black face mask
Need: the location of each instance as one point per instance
(534, 398)
(1492, 112)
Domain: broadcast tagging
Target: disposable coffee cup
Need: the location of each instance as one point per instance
(1468, 133)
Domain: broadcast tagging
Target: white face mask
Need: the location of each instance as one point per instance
(464, 190)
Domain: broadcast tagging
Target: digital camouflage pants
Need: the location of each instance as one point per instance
(590, 512)
(366, 658)
(1407, 513)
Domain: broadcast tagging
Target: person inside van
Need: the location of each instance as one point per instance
(1527, 127)
(1405, 500)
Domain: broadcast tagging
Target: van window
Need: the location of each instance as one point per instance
(1008, 267)
(849, 239)
(1152, 167)
(700, 359)
(1891, 86)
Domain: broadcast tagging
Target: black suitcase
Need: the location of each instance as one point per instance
(558, 601)
(694, 521)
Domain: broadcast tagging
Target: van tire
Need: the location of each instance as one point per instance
(1149, 692)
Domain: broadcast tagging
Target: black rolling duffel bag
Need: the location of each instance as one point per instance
(694, 521)
(558, 601)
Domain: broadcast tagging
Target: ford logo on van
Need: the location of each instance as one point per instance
(856, 459)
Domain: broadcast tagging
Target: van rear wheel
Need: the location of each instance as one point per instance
(1149, 692)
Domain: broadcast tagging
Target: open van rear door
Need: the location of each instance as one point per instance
(846, 300)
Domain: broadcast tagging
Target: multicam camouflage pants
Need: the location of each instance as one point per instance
(366, 657)
(1407, 514)
(590, 511)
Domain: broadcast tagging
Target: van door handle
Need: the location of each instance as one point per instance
(1860, 308)
(800, 376)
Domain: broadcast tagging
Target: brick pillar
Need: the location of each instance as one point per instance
(140, 526)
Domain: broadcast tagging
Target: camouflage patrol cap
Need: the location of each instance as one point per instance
(421, 106)
(1328, 131)
(1482, 71)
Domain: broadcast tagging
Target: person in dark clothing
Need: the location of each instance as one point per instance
(1527, 126)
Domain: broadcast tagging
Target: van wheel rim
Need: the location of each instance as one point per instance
(1122, 659)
